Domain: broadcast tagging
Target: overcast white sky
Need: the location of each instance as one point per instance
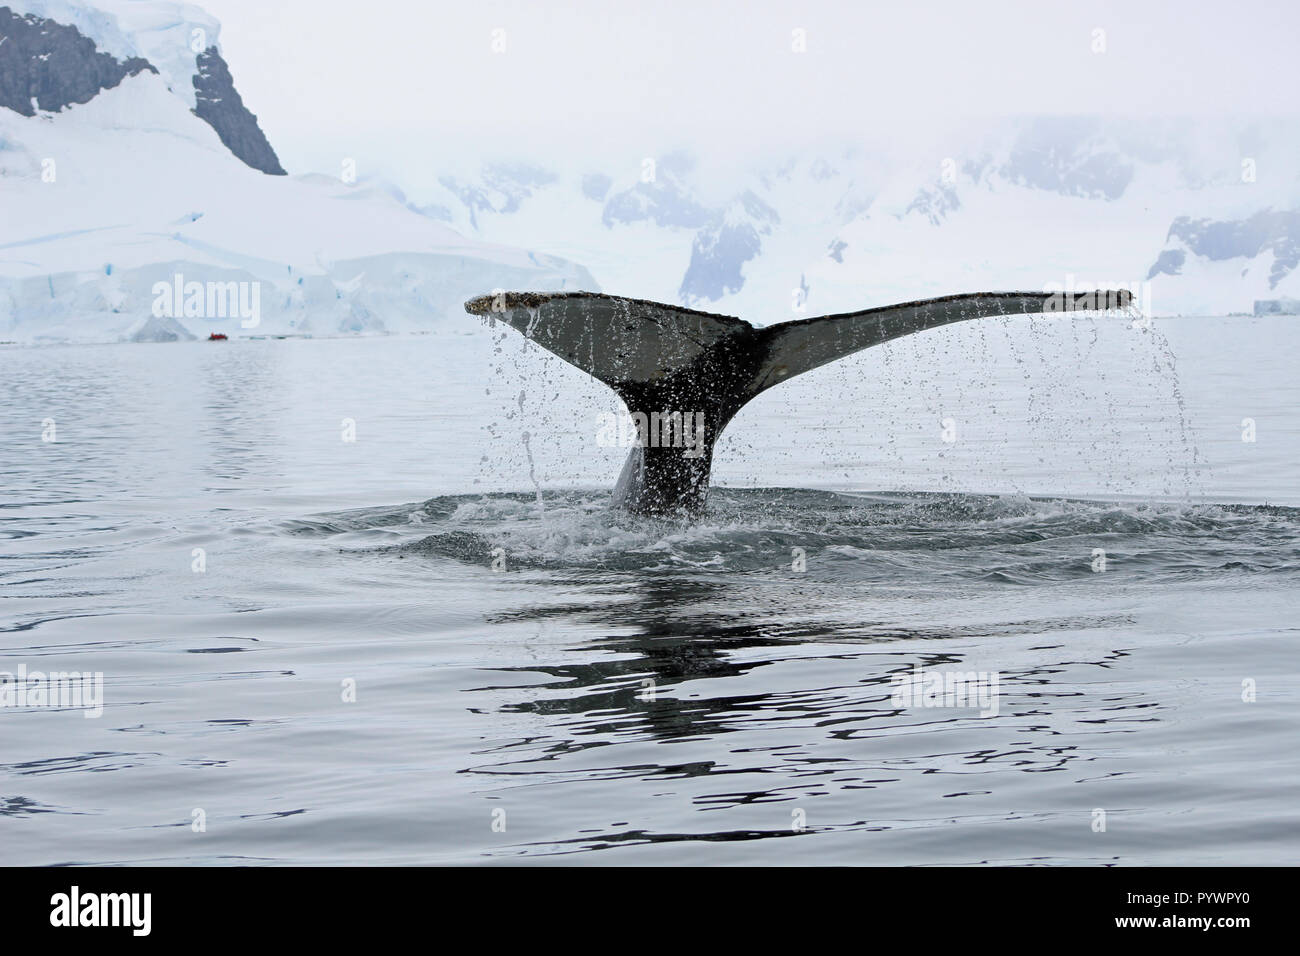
(405, 84)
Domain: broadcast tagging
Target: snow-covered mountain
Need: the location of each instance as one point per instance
(132, 173)
(1200, 215)
(140, 199)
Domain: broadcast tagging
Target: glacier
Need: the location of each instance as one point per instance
(105, 199)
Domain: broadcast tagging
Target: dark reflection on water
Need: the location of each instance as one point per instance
(683, 626)
(676, 642)
(702, 660)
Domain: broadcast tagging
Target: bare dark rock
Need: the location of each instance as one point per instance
(1277, 231)
(54, 64)
(219, 105)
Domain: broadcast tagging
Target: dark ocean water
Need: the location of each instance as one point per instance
(424, 646)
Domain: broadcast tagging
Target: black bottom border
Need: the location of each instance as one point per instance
(329, 904)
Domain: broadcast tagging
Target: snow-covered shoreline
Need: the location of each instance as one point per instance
(109, 199)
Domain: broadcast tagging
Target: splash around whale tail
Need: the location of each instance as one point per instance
(684, 374)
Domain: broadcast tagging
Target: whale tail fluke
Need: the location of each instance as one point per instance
(616, 340)
(667, 363)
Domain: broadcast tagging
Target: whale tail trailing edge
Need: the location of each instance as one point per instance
(793, 348)
(667, 362)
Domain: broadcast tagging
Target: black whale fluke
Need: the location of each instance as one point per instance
(683, 374)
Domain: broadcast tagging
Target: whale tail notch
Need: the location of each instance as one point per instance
(672, 364)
